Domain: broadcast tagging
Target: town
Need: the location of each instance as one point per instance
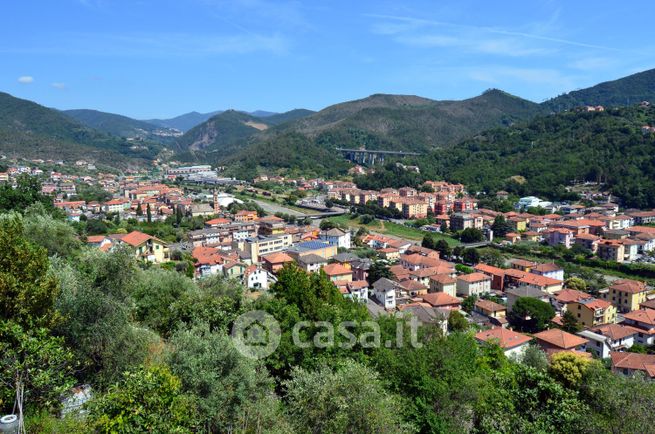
(438, 280)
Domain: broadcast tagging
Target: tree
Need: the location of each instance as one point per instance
(575, 283)
(145, 400)
(139, 210)
(534, 357)
(27, 290)
(348, 399)
(377, 271)
(428, 242)
(468, 303)
(326, 225)
(569, 368)
(26, 193)
(443, 248)
(492, 257)
(457, 322)
(148, 214)
(570, 323)
(471, 235)
(58, 237)
(471, 256)
(231, 391)
(35, 367)
(500, 226)
(531, 315)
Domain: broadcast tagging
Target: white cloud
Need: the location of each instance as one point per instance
(59, 85)
(25, 79)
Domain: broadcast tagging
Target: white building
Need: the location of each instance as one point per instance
(531, 201)
(337, 237)
(607, 338)
(384, 291)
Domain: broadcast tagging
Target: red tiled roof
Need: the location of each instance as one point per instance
(560, 338)
(570, 295)
(505, 338)
(336, 269)
(277, 258)
(473, 277)
(444, 279)
(489, 305)
(629, 286)
(136, 238)
(538, 280)
(437, 299)
(615, 331)
(646, 316)
(634, 361)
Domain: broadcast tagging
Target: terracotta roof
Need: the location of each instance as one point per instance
(570, 295)
(546, 268)
(277, 258)
(489, 269)
(473, 277)
(136, 238)
(629, 286)
(634, 361)
(646, 316)
(443, 279)
(440, 299)
(538, 280)
(522, 263)
(489, 305)
(92, 239)
(336, 269)
(615, 331)
(560, 338)
(648, 304)
(505, 338)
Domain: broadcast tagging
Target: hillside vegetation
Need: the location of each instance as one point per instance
(30, 130)
(624, 91)
(119, 125)
(552, 151)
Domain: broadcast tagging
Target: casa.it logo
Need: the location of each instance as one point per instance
(256, 334)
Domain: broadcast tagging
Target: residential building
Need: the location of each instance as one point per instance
(442, 300)
(513, 343)
(146, 247)
(631, 363)
(625, 294)
(443, 283)
(611, 250)
(319, 248)
(384, 291)
(274, 262)
(312, 263)
(591, 312)
(522, 265)
(245, 216)
(473, 284)
(254, 247)
(490, 309)
(514, 294)
(461, 221)
(337, 237)
(644, 321)
(550, 270)
(555, 340)
(338, 273)
(607, 338)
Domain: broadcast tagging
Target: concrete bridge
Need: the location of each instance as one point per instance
(371, 157)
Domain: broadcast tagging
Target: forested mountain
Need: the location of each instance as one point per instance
(29, 130)
(398, 122)
(183, 122)
(117, 125)
(543, 156)
(622, 92)
(226, 133)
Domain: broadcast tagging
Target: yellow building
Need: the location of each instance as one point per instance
(626, 294)
(591, 312)
(146, 247)
(611, 250)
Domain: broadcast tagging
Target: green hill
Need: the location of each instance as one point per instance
(119, 125)
(622, 92)
(550, 152)
(401, 122)
(183, 122)
(29, 130)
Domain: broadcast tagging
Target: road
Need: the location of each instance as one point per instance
(272, 208)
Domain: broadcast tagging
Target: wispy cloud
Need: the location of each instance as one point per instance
(26, 79)
(417, 23)
(58, 85)
(158, 45)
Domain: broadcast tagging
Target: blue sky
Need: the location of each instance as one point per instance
(163, 58)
